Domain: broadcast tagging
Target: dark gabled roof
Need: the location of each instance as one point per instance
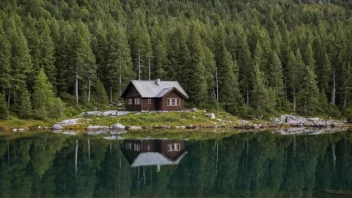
(151, 89)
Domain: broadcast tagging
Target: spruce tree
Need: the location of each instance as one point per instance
(5, 64)
(243, 57)
(43, 98)
(346, 86)
(25, 107)
(262, 101)
(119, 68)
(194, 78)
(100, 96)
(308, 95)
(3, 108)
(276, 78)
(229, 93)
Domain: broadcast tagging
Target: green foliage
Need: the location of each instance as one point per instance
(3, 108)
(187, 41)
(100, 97)
(44, 103)
(25, 108)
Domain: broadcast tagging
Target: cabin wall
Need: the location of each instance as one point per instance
(132, 93)
(173, 94)
(150, 146)
(149, 107)
(172, 154)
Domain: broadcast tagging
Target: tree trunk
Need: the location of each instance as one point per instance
(76, 84)
(110, 94)
(120, 79)
(247, 98)
(217, 85)
(285, 88)
(149, 69)
(139, 64)
(9, 99)
(89, 83)
(333, 93)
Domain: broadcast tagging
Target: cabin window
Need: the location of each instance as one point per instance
(129, 101)
(137, 101)
(129, 146)
(149, 101)
(148, 147)
(137, 147)
(174, 147)
(173, 102)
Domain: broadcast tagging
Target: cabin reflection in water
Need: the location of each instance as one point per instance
(153, 152)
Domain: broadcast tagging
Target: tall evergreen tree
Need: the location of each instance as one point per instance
(243, 57)
(308, 95)
(261, 96)
(5, 62)
(194, 79)
(100, 96)
(25, 106)
(119, 68)
(276, 78)
(44, 101)
(228, 86)
(3, 108)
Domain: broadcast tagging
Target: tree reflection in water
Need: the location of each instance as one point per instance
(242, 165)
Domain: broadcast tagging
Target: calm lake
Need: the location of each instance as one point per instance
(262, 164)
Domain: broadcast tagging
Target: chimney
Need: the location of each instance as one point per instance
(157, 81)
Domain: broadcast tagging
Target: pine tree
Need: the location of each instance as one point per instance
(100, 96)
(194, 78)
(65, 59)
(141, 49)
(47, 52)
(243, 57)
(25, 107)
(3, 108)
(308, 95)
(5, 68)
(43, 98)
(346, 86)
(229, 92)
(21, 63)
(85, 67)
(261, 96)
(159, 45)
(119, 68)
(276, 78)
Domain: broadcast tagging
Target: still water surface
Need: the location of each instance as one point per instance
(261, 164)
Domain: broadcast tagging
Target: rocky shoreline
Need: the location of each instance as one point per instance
(284, 121)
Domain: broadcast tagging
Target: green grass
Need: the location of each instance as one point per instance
(14, 122)
(166, 118)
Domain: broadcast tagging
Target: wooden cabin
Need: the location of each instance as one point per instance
(154, 95)
(153, 152)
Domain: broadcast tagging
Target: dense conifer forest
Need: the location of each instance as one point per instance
(266, 56)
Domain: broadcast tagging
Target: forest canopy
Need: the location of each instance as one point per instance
(266, 56)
